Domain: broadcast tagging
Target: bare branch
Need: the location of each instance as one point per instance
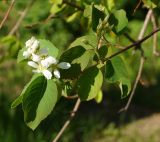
(142, 60)
(137, 43)
(137, 6)
(7, 13)
(155, 36)
(68, 121)
(146, 21)
(23, 14)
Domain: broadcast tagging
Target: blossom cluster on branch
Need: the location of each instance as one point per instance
(41, 61)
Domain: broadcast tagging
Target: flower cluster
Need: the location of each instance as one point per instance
(41, 61)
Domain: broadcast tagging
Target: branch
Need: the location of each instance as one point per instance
(155, 36)
(137, 43)
(147, 19)
(7, 13)
(73, 5)
(137, 6)
(16, 26)
(68, 121)
(142, 60)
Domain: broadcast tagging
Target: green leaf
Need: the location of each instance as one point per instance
(39, 99)
(20, 56)
(97, 14)
(89, 83)
(110, 4)
(46, 44)
(77, 55)
(119, 20)
(102, 51)
(17, 102)
(20, 97)
(71, 73)
(88, 11)
(73, 17)
(116, 72)
(99, 97)
(88, 42)
(151, 3)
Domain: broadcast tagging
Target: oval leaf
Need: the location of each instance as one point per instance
(39, 100)
(89, 84)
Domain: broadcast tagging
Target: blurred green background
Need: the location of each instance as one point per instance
(93, 122)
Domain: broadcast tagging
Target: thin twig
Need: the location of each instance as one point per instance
(68, 121)
(137, 6)
(7, 13)
(155, 36)
(137, 43)
(142, 60)
(23, 14)
(129, 38)
(73, 5)
(146, 21)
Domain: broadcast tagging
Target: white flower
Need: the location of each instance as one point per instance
(48, 61)
(32, 45)
(30, 42)
(57, 74)
(40, 69)
(64, 65)
(26, 54)
(33, 64)
(36, 58)
(47, 74)
(35, 45)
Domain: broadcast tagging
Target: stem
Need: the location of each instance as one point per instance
(137, 43)
(66, 124)
(16, 26)
(135, 84)
(7, 13)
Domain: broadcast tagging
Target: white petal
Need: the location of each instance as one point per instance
(64, 65)
(35, 58)
(57, 74)
(33, 64)
(35, 45)
(47, 74)
(30, 42)
(45, 63)
(26, 54)
(51, 60)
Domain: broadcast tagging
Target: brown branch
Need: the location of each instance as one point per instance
(137, 43)
(142, 60)
(73, 5)
(23, 14)
(155, 36)
(68, 121)
(146, 21)
(7, 13)
(137, 6)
